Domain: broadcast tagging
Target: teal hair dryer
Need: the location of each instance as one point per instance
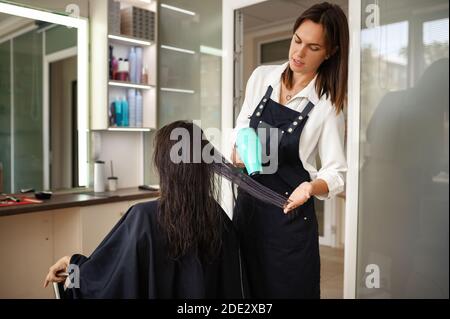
(249, 149)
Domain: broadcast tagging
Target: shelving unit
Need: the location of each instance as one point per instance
(108, 89)
(126, 40)
(130, 85)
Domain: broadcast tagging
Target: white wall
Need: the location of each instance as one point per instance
(125, 149)
(252, 40)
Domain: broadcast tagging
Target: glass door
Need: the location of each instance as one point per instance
(403, 220)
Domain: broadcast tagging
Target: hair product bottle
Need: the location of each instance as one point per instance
(139, 114)
(132, 66)
(125, 112)
(138, 65)
(118, 107)
(132, 107)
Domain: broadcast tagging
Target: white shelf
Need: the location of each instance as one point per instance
(177, 90)
(130, 85)
(138, 3)
(177, 9)
(171, 48)
(123, 39)
(129, 129)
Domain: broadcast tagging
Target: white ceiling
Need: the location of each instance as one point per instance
(3, 16)
(277, 12)
(10, 23)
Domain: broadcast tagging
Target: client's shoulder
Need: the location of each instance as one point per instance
(144, 210)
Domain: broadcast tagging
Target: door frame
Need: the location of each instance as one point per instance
(351, 206)
(353, 136)
(228, 30)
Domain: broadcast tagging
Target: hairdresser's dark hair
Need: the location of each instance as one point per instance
(188, 212)
(333, 73)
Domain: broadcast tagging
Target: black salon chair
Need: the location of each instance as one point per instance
(58, 289)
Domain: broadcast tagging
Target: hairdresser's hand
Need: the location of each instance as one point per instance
(236, 159)
(57, 272)
(299, 196)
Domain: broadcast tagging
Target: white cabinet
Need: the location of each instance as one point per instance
(31, 243)
(26, 250)
(96, 222)
(110, 84)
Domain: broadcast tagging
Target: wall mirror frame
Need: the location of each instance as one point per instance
(82, 90)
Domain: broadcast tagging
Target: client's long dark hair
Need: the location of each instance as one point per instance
(188, 211)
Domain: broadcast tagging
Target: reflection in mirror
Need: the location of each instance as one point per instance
(63, 159)
(43, 100)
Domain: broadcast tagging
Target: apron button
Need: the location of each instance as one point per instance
(261, 106)
(258, 114)
(300, 118)
(260, 121)
(287, 193)
(305, 218)
(282, 132)
(295, 123)
(289, 130)
(265, 100)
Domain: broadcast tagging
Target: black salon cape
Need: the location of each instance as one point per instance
(132, 262)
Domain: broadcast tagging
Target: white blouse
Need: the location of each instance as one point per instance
(323, 131)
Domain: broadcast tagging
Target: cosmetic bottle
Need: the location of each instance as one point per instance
(132, 65)
(118, 108)
(144, 75)
(99, 176)
(126, 68)
(112, 114)
(132, 107)
(110, 60)
(138, 64)
(125, 112)
(139, 114)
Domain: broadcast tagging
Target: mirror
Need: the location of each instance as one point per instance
(43, 100)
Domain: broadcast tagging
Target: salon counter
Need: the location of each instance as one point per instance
(34, 236)
(80, 199)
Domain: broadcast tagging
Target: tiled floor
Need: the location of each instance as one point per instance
(332, 272)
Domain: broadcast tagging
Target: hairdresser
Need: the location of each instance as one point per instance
(303, 101)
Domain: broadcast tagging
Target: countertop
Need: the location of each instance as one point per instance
(88, 198)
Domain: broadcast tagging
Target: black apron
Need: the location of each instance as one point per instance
(280, 251)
